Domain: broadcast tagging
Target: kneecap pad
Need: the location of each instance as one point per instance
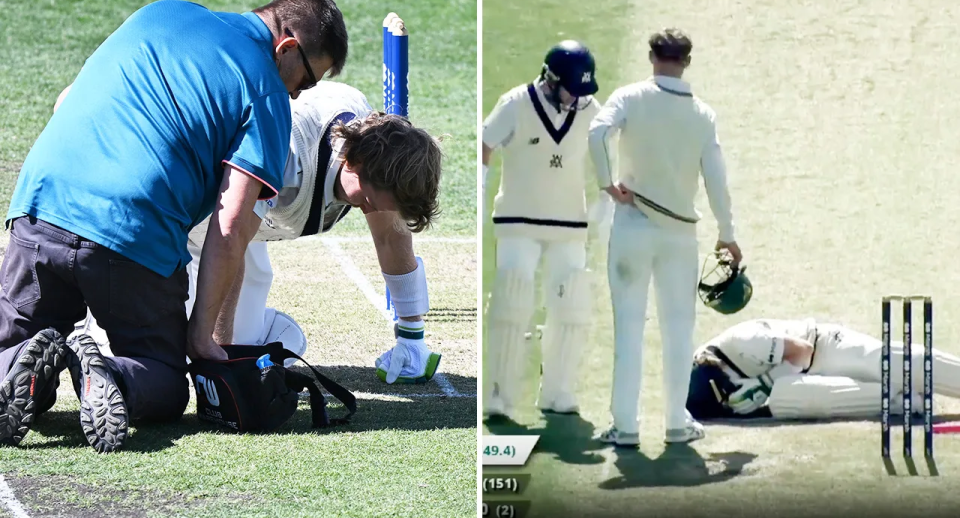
(281, 327)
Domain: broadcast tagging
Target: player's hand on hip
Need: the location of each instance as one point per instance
(734, 250)
(619, 193)
(205, 350)
(750, 397)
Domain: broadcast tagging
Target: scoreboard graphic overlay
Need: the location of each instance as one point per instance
(504, 483)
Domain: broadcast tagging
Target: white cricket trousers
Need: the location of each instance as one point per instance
(639, 250)
(524, 254)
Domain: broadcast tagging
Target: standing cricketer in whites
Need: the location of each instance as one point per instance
(668, 138)
(396, 187)
(804, 369)
(539, 211)
(168, 124)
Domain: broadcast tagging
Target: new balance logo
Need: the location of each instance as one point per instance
(534, 140)
(209, 390)
(586, 77)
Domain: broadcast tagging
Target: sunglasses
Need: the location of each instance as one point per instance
(306, 64)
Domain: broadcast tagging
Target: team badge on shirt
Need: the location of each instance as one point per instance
(556, 161)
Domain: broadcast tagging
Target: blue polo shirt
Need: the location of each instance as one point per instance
(133, 158)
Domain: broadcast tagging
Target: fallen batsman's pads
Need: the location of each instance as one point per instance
(238, 394)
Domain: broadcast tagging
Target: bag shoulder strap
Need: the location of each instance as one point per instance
(318, 404)
(335, 389)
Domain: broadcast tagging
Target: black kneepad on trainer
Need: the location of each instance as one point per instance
(238, 394)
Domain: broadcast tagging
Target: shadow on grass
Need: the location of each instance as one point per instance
(568, 437)
(394, 412)
(364, 379)
(767, 422)
(911, 466)
(679, 465)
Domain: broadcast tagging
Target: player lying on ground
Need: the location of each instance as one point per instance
(395, 182)
(539, 212)
(803, 369)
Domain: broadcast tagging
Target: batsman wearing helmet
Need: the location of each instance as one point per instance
(668, 140)
(539, 212)
(804, 369)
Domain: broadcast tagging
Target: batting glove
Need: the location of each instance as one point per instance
(750, 397)
(408, 362)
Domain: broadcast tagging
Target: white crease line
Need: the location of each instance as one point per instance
(10, 502)
(358, 278)
(369, 239)
(380, 396)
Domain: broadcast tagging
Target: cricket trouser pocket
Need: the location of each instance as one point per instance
(240, 395)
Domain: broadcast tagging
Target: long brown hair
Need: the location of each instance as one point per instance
(391, 155)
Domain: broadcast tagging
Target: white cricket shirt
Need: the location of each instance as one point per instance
(544, 152)
(756, 346)
(667, 139)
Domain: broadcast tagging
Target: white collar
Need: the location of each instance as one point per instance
(329, 194)
(673, 83)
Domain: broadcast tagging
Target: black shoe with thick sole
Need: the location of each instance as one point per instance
(38, 366)
(103, 411)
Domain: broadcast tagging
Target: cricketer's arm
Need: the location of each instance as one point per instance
(409, 359)
(714, 172)
(498, 129)
(759, 350)
(394, 245)
(603, 127)
(764, 355)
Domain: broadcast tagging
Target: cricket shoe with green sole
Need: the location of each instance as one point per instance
(33, 373)
(103, 411)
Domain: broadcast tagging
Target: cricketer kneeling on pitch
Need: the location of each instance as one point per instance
(333, 128)
(165, 125)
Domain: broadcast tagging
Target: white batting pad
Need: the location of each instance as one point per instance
(569, 313)
(821, 397)
(281, 327)
(511, 308)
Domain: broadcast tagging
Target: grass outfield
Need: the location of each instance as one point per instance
(410, 450)
(840, 134)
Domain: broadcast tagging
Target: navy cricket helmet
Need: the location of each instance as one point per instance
(709, 389)
(571, 65)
